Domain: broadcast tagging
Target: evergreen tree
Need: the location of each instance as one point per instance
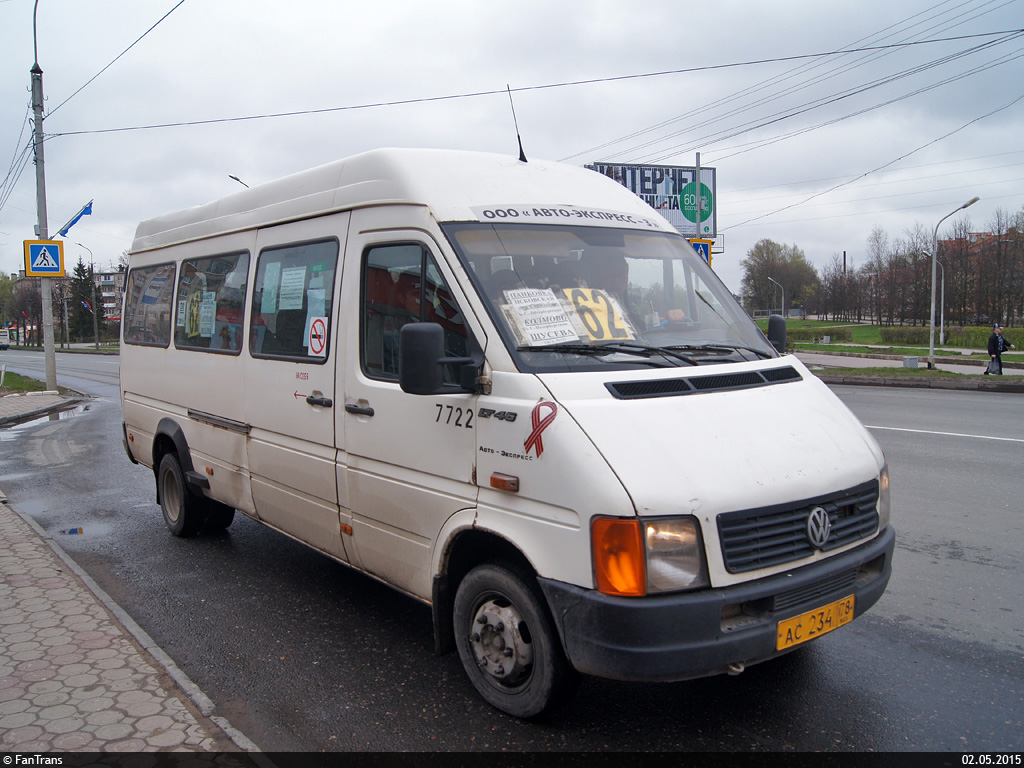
(79, 312)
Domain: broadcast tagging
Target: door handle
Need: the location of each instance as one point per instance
(326, 402)
(358, 409)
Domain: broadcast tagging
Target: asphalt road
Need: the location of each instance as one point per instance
(300, 653)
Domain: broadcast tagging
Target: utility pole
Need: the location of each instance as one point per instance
(41, 229)
(700, 199)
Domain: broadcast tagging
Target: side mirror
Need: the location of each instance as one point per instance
(777, 333)
(421, 361)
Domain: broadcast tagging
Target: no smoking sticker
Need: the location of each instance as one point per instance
(318, 337)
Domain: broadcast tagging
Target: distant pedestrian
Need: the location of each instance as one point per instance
(997, 344)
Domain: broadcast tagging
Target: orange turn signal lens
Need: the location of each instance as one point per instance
(618, 553)
(505, 482)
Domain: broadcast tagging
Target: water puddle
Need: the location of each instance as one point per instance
(13, 431)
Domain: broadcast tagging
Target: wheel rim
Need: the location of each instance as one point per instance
(501, 643)
(170, 496)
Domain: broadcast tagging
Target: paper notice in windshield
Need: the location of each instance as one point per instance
(600, 314)
(538, 318)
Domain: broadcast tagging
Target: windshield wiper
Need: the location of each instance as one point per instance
(722, 348)
(640, 350)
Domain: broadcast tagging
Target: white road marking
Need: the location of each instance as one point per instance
(949, 434)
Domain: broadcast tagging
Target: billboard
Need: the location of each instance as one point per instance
(671, 191)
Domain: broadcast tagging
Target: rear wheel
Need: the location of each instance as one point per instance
(184, 513)
(507, 643)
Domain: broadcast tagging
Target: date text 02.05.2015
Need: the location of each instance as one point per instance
(991, 758)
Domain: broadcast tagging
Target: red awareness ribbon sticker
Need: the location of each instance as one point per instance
(539, 425)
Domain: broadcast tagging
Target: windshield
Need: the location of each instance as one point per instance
(587, 298)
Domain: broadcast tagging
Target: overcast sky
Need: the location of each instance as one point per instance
(812, 150)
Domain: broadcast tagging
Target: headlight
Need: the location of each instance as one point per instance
(675, 554)
(884, 510)
(635, 557)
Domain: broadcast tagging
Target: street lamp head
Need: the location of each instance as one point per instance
(970, 202)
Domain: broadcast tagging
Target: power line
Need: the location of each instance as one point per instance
(832, 99)
(928, 191)
(122, 53)
(20, 160)
(21, 135)
(778, 116)
(17, 168)
(524, 89)
(904, 181)
(888, 209)
(759, 144)
(766, 96)
(879, 168)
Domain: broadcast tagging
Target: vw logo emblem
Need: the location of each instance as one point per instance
(818, 527)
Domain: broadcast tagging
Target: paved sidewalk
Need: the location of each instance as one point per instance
(77, 674)
(842, 369)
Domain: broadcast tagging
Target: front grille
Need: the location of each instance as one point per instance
(760, 538)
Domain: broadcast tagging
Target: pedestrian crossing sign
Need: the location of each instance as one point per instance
(44, 258)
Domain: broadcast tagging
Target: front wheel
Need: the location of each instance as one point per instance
(507, 643)
(184, 513)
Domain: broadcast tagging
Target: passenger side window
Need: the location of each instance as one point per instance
(147, 312)
(211, 303)
(291, 301)
(402, 284)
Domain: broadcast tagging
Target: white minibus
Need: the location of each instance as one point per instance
(510, 390)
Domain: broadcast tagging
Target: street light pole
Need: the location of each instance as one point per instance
(935, 248)
(942, 305)
(783, 295)
(41, 228)
(92, 281)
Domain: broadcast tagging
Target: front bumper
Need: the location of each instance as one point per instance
(693, 634)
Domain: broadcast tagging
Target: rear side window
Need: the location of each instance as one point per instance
(291, 301)
(147, 307)
(211, 303)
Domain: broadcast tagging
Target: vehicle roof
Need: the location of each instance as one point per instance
(450, 182)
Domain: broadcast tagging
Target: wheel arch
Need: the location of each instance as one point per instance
(464, 550)
(169, 438)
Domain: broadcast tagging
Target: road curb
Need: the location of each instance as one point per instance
(945, 360)
(49, 406)
(979, 384)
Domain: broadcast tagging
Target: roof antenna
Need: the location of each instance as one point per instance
(522, 155)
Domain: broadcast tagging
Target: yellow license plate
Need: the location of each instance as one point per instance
(812, 624)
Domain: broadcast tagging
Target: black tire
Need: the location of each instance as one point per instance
(218, 516)
(508, 644)
(184, 513)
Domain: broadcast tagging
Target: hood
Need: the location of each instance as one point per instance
(721, 450)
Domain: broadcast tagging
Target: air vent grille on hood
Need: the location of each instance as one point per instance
(637, 390)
